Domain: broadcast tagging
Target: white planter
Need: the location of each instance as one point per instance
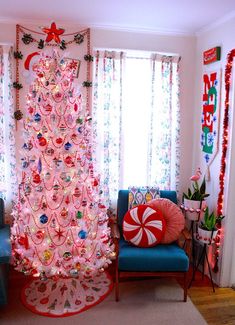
(193, 211)
(206, 236)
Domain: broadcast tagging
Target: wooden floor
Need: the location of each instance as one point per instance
(218, 308)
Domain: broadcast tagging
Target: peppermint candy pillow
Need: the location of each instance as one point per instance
(143, 226)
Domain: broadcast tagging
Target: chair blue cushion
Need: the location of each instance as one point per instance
(5, 245)
(160, 258)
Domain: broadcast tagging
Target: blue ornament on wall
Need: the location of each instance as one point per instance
(43, 218)
(82, 234)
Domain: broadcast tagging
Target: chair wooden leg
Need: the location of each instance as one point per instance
(117, 282)
(185, 286)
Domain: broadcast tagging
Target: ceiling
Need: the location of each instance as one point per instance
(172, 16)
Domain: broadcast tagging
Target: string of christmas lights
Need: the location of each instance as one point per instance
(220, 200)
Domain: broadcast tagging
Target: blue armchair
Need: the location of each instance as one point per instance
(163, 260)
(5, 255)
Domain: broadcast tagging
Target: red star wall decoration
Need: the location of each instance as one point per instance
(53, 33)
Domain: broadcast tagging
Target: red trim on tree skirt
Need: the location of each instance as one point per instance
(93, 290)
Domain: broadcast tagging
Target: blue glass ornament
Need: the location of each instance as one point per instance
(39, 135)
(67, 145)
(82, 234)
(37, 117)
(39, 165)
(80, 129)
(43, 218)
(24, 163)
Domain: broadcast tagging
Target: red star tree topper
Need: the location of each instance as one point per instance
(53, 33)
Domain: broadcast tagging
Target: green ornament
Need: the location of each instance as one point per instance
(62, 45)
(18, 55)
(17, 85)
(79, 120)
(78, 38)
(87, 83)
(27, 39)
(79, 215)
(41, 44)
(88, 58)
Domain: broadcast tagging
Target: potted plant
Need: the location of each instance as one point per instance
(194, 199)
(207, 229)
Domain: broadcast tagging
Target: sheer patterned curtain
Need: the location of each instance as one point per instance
(107, 120)
(136, 121)
(8, 180)
(164, 133)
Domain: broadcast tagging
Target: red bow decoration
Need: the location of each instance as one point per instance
(53, 33)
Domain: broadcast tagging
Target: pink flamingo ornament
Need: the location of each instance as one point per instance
(197, 176)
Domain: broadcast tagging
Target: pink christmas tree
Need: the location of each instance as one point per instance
(60, 224)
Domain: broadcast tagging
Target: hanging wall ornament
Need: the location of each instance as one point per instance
(210, 116)
(18, 115)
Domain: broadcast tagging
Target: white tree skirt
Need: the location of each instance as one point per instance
(65, 297)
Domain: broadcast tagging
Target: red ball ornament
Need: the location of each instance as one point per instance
(42, 141)
(77, 192)
(48, 108)
(54, 197)
(74, 136)
(95, 183)
(68, 160)
(59, 140)
(30, 110)
(40, 234)
(23, 241)
(36, 178)
(64, 213)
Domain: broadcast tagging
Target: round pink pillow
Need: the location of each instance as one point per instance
(175, 221)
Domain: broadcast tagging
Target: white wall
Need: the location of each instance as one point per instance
(220, 35)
